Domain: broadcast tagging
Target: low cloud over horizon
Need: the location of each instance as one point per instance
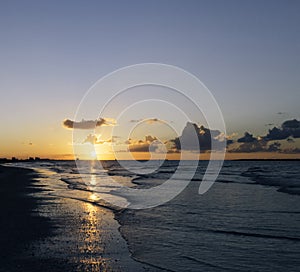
(95, 140)
(281, 139)
(289, 130)
(88, 124)
(149, 144)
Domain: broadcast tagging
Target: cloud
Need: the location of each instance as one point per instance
(150, 121)
(149, 144)
(94, 139)
(276, 134)
(150, 139)
(248, 138)
(257, 146)
(294, 150)
(143, 147)
(88, 124)
(293, 126)
(195, 137)
(229, 138)
(275, 147)
(248, 147)
(289, 128)
(229, 142)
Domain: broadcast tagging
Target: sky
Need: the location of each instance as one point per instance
(52, 52)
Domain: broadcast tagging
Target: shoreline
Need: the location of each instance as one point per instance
(57, 233)
(4, 161)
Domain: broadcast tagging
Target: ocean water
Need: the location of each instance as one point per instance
(248, 221)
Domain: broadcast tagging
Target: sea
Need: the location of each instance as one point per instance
(249, 220)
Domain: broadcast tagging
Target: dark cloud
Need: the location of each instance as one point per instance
(262, 145)
(229, 142)
(88, 124)
(249, 147)
(248, 138)
(275, 147)
(294, 150)
(257, 146)
(276, 134)
(195, 137)
(150, 138)
(292, 126)
(142, 147)
(289, 128)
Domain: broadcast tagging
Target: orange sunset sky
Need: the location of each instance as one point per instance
(51, 55)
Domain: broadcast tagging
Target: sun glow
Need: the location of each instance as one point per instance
(93, 155)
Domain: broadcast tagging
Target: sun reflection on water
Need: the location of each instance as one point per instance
(92, 248)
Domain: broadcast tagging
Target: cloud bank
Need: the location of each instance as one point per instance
(281, 139)
(289, 130)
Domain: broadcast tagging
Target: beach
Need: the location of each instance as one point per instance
(54, 219)
(19, 225)
(42, 232)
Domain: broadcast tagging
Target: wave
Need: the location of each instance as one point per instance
(285, 176)
(208, 263)
(257, 235)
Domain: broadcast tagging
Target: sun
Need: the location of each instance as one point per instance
(93, 154)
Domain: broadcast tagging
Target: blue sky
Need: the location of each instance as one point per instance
(51, 52)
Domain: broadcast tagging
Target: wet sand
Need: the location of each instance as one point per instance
(44, 231)
(19, 226)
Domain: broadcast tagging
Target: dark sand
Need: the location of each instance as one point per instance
(41, 231)
(19, 225)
